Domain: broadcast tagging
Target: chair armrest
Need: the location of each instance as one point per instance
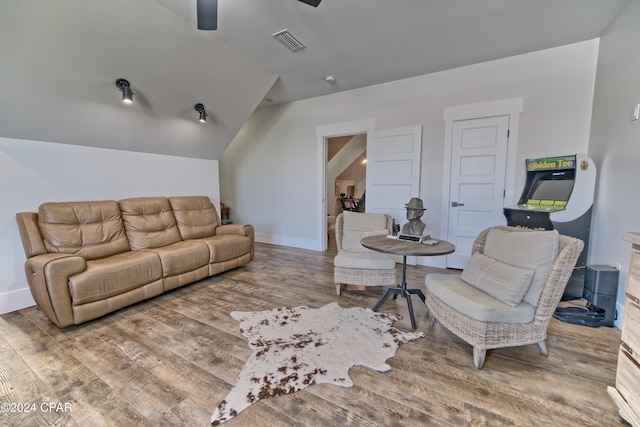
(48, 278)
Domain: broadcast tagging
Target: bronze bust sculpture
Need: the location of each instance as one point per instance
(415, 210)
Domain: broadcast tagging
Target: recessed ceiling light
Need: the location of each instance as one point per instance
(330, 79)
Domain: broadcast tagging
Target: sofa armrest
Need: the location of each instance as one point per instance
(48, 278)
(240, 229)
(32, 240)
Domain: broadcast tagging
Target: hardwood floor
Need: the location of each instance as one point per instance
(171, 360)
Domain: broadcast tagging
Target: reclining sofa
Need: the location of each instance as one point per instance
(87, 259)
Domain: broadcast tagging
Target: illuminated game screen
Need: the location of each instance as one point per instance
(553, 190)
(549, 183)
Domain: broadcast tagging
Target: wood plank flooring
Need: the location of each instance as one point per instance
(170, 361)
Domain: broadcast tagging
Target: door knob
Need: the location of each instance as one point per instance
(456, 204)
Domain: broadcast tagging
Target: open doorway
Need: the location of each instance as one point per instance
(324, 133)
(346, 178)
(346, 170)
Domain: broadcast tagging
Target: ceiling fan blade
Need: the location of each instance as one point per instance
(313, 3)
(207, 14)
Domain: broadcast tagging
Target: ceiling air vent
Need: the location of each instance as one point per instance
(288, 40)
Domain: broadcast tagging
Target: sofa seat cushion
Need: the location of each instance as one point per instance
(364, 260)
(474, 303)
(107, 277)
(226, 247)
(182, 257)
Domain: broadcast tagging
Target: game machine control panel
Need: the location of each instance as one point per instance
(558, 195)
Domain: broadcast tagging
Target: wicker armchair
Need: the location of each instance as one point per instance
(354, 264)
(447, 296)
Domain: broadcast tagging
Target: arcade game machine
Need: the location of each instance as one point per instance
(558, 195)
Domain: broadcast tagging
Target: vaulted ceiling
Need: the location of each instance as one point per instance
(366, 42)
(59, 59)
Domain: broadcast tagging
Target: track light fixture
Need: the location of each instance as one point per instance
(203, 113)
(127, 93)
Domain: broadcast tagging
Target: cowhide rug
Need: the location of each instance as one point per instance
(292, 348)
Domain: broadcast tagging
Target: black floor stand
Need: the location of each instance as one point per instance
(402, 290)
(579, 316)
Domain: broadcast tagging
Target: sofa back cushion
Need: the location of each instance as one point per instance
(88, 229)
(195, 215)
(149, 222)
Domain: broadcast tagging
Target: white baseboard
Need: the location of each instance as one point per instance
(432, 261)
(620, 309)
(15, 300)
(275, 239)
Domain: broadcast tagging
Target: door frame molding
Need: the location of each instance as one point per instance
(323, 132)
(507, 107)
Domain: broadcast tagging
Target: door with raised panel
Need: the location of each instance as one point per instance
(477, 182)
(393, 171)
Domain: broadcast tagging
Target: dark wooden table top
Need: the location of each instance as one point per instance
(403, 247)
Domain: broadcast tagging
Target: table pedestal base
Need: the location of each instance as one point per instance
(404, 292)
(404, 248)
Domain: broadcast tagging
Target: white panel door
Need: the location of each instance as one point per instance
(476, 196)
(393, 171)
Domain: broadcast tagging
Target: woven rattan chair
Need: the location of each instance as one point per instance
(354, 264)
(484, 335)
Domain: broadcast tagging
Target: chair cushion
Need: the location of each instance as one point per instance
(473, 302)
(505, 282)
(356, 226)
(535, 250)
(351, 239)
(366, 261)
(356, 221)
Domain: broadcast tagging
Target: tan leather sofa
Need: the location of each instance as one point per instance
(87, 259)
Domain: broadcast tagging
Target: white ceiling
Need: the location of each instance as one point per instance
(59, 59)
(367, 42)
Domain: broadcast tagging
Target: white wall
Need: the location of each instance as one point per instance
(269, 171)
(615, 145)
(33, 172)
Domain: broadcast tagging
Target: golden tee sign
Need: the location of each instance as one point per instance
(551, 163)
